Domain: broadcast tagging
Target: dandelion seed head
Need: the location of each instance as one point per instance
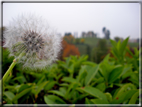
(32, 35)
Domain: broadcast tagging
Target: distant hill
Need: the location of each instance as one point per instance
(90, 43)
(93, 42)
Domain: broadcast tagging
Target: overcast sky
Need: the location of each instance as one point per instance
(122, 19)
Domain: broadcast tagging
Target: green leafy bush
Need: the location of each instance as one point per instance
(115, 80)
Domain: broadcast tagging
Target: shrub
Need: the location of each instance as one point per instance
(77, 81)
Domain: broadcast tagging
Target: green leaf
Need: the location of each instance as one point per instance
(114, 52)
(59, 76)
(126, 69)
(118, 47)
(79, 97)
(82, 74)
(128, 50)
(89, 63)
(109, 96)
(123, 45)
(64, 84)
(99, 101)
(106, 59)
(63, 90)
(52, 99)
(68, 61)
(124, 88)
(40, 87)
(114, 48)
(94, 92)
(90, 74)
(41, 80)
(71, 89)
(136, 51)
(21, 94)
(23, 87)
(17, 87)
(123, 97)
(21, 79)
(115, 92)
(36, 75)
(71, 70)
(134, 81)
(9, 95)
(114, 44)
(101, 86)
(115, 74)
(87, 101)
(134, 78)
(69, 79)
(106, 67)
(127, 74)
(104, 73)
(99, 80)
(49, 85)
(11, 88)
(48, 100)
(57, 92)
(134, 98)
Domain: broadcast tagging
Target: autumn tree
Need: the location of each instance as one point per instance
(68, 49)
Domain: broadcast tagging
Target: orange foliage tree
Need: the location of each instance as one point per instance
(68, 49)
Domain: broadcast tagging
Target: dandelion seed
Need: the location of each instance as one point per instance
(31, 35)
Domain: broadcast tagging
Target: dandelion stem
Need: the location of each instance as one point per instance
(11, 67)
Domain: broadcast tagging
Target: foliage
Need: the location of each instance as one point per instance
(115, 80)
(77, 41)
(88, 47)
(69, 39)
(69, 49)
(84, 49)
(92, 43)
(82, 40)
(99, 51)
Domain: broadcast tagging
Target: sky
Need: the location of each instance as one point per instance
(121, 19)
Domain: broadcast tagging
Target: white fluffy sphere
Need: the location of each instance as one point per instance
(32, 35)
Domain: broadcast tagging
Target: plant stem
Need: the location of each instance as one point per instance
(9, 70)
(11, 67)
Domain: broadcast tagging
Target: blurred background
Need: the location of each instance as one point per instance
(85, 27)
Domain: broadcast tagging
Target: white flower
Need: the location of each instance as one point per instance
(31, 35)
